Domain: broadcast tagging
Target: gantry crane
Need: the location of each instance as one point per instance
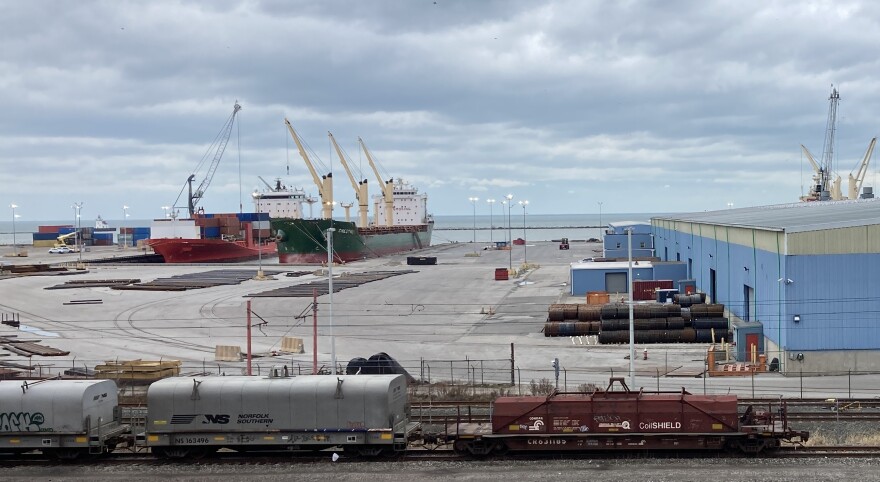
(855, 182)
(323, 183)
(217, 147)
(360, 187)
(387, 187)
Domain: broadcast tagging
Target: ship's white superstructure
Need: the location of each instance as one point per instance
(410, 207)
(280, 201)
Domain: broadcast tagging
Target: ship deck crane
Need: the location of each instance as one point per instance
(360, 187)
(855, 182)
(217, 147)
(387, 187)
(323, 183)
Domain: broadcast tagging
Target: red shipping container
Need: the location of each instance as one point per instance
(645, 290)
(52, 229)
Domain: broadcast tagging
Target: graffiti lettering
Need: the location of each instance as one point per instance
(21, 421)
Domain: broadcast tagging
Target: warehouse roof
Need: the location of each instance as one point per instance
(791, 218)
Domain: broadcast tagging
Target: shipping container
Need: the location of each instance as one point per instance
(44, 236)
(644, 290)
(54, 229)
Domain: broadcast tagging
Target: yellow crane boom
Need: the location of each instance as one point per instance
(855, 182)
(323, 183)
(387, 187)
(360, 187)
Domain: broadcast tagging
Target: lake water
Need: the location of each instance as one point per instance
(447, 229)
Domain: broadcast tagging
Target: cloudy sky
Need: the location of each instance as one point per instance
(658, 106)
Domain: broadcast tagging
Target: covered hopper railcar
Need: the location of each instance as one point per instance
(191, 416)
(64, 418)
(627, 420)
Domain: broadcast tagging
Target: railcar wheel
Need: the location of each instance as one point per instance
(67, 454)
(175, 453)
(500, 449)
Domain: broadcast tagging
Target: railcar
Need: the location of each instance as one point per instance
(64, 418)
(621, 419)
(193, 416)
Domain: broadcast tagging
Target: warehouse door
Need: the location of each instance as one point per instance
(748, 303)
(752, 346)
(616, 283)
(712, 286)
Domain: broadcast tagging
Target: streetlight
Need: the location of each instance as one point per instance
(525, 244)
(473, 201)
(14, 242)
(257, 198)
(330, 294)
(166, 208)
(124, 216)
(509, 234)
(491, 228)
(601, 228)
(76, 208)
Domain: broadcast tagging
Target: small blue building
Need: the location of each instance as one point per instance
(616, 240)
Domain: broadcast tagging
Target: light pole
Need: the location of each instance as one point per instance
(257, 197)
(473, 201)
(124, 216)
(330, 296)
(491, 228)
(14, 241)
(509, 197)
(601, 227)
(76, 208)
(525, 244)
(166, 208)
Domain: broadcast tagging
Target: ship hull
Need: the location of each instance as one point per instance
(175, 250)
(303, 241)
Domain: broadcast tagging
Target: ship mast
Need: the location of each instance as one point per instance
(323, 183)
(360, 187)
(387, 187)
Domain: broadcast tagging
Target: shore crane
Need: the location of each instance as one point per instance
(387, 186)
(217, 147)
(360, 187)
(323, 183)
(855, 182)
(824, 186)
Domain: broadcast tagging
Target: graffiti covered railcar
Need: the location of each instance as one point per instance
(66, 418)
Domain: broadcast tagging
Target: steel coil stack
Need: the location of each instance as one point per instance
(690, 321)
(572, 320)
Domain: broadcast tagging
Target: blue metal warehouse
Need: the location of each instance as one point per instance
(809, 272)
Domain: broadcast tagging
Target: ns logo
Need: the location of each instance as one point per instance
(221, 419)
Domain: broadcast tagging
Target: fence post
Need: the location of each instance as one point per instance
(802, 383)
(512, 381)
(519, 378)
(753, 383)
(482, 379)
(451, 374)
(422, 368)
(849, 383)
(658, 380)
(564, 379)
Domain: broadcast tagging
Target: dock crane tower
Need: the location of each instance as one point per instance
(323, 183)
(387, 187)
(360, 187)
(824, 186)
(218, 147)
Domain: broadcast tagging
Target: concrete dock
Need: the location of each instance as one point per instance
(447, 322)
